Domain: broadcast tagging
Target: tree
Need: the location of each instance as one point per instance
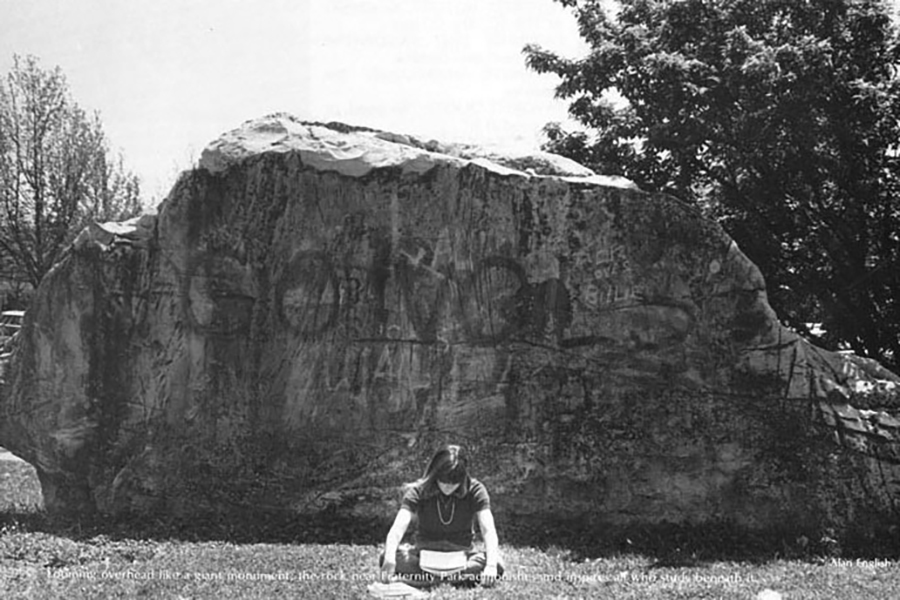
(56, 172)
(780, 118)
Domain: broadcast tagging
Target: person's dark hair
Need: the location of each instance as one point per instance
(448, 465)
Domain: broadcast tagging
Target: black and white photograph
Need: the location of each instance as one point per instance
(450, 299)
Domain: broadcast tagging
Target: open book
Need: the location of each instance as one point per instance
(395, 589)
(442, 563)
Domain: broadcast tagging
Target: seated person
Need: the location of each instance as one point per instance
(447, 502)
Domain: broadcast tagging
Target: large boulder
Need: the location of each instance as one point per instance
(316, 307)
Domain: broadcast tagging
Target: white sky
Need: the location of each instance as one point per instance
(169, 76)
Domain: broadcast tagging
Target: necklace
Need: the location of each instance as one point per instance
(452, 511)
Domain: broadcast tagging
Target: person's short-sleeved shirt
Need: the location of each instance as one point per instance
(447, 520)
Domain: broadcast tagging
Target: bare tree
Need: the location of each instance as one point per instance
(56, 172)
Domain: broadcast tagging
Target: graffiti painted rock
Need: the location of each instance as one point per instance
(315, 307)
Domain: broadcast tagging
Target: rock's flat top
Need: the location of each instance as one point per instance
(355, 151)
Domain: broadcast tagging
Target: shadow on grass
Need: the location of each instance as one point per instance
(669, 545)
(686, 545)
(261, 527)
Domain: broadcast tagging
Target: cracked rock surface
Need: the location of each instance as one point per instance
(317, 306)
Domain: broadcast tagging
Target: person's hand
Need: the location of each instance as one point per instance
(489, 575)
(387, 571)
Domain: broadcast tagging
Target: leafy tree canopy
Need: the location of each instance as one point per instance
(780, 118)
(56, 172)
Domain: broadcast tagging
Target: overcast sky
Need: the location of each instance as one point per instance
(169, 76)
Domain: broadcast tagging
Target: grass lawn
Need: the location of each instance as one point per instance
(43, 558)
